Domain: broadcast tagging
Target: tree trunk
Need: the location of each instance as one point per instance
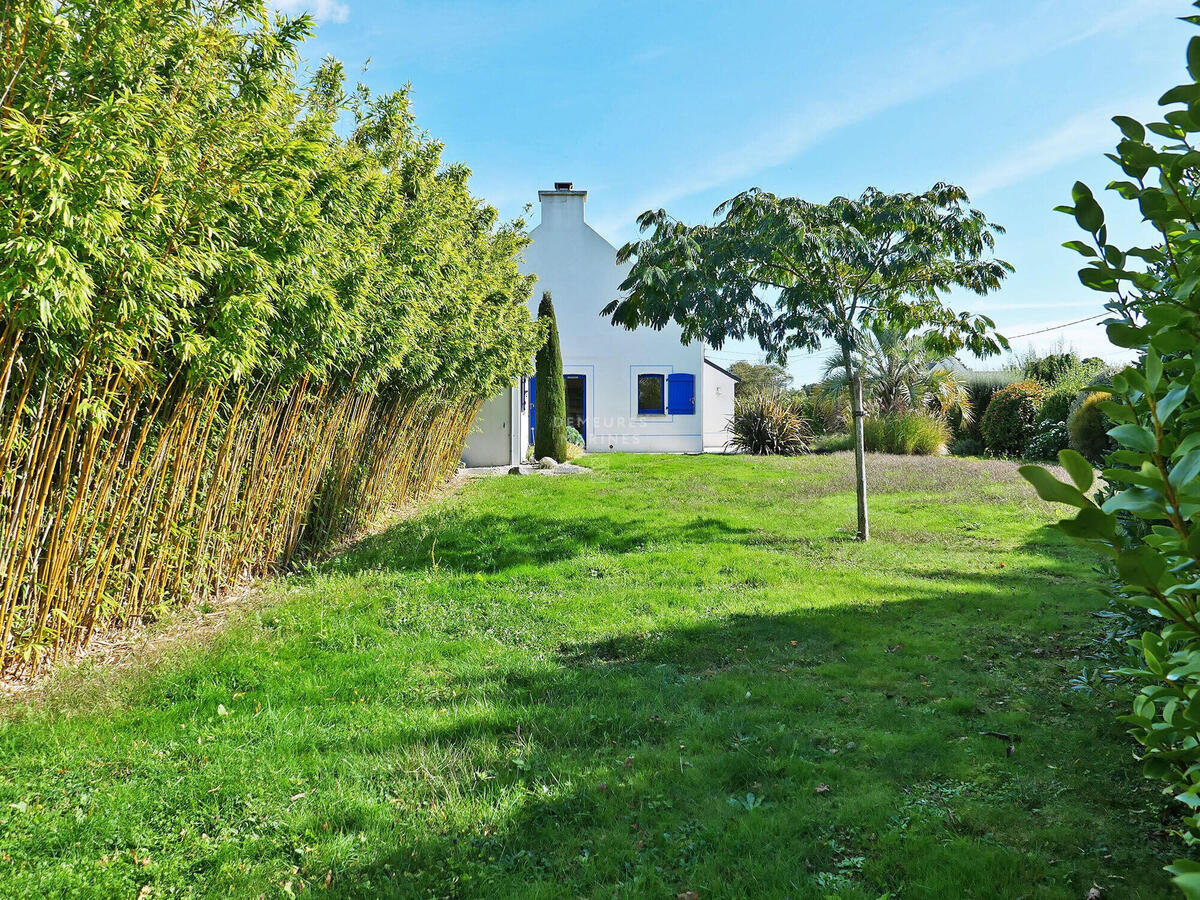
(860, 454)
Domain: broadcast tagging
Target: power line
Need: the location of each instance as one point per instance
(1056, 327)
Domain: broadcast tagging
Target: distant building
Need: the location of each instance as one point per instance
(641, 390)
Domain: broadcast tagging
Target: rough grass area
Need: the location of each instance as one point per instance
(678, 675)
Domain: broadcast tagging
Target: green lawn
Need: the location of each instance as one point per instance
(677, 674)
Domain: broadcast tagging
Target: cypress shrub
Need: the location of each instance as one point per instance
(550, 430)
(1088, 427)
(1008, 423)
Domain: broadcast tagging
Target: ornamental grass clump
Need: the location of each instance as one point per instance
(914, 433)
(229, 330)
(768, 425)
(1153, 475)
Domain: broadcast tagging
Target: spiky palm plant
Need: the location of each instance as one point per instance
(900, 374)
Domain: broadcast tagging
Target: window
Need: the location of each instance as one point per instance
(650, 395)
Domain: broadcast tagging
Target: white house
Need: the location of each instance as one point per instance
(641, 390)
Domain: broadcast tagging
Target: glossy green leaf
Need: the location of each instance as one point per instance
(1051, 489)
(1078, 468)
(1136, 437)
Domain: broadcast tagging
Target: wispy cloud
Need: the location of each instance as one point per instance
(1079, 137)
(948, 54)
(321, 10)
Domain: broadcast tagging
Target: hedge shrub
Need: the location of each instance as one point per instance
(242, 309)
(1153, 302)
(1007, 424)
(981, 387)
(1057, 406)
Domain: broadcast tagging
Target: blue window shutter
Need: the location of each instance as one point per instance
(681, 394)
(532, 405)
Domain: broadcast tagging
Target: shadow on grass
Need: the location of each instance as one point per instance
(595, 740)
(489, 543)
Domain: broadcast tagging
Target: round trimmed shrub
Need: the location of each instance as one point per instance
(1008, 422)
(916, 433)
(966, 446)
(1089, 426)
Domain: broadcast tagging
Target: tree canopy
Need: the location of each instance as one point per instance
(793, 275)
(760, 377)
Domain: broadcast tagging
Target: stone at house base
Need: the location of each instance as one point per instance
(525, 469)
(547, 462)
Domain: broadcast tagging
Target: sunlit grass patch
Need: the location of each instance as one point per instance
(682, 674)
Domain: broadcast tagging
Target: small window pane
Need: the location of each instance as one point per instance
(650, 395)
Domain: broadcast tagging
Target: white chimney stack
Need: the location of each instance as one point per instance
(563, 205)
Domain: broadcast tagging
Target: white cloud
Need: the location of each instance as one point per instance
(947, 55)
(1082, 136)
(321, 10)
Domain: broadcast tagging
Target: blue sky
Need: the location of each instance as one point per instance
(681, 105)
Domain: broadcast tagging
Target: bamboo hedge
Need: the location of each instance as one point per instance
(241, 309)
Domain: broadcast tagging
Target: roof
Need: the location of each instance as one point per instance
(720, 369)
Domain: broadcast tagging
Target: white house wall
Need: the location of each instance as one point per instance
(579, 268)
(718, 406)
(491, 440)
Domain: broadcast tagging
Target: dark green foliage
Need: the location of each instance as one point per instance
(550, 429)
(1008, 422)
(914, 433)
(1154, 474)
(826, 410)
(981, 387)
(832, 442)
(966, 446)
(1088, 426)
(759, 377)
(1054, 369)
(574, 437)
(1048, 439)
(768, 425)
(1057, 406)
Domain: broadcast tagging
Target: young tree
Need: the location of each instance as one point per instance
(793, 274)
(550, 405)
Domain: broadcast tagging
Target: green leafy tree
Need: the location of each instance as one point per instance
(760, 378)
(550, 431)
(1148, 520)
(793, 275)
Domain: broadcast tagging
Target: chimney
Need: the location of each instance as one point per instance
(563, 205)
